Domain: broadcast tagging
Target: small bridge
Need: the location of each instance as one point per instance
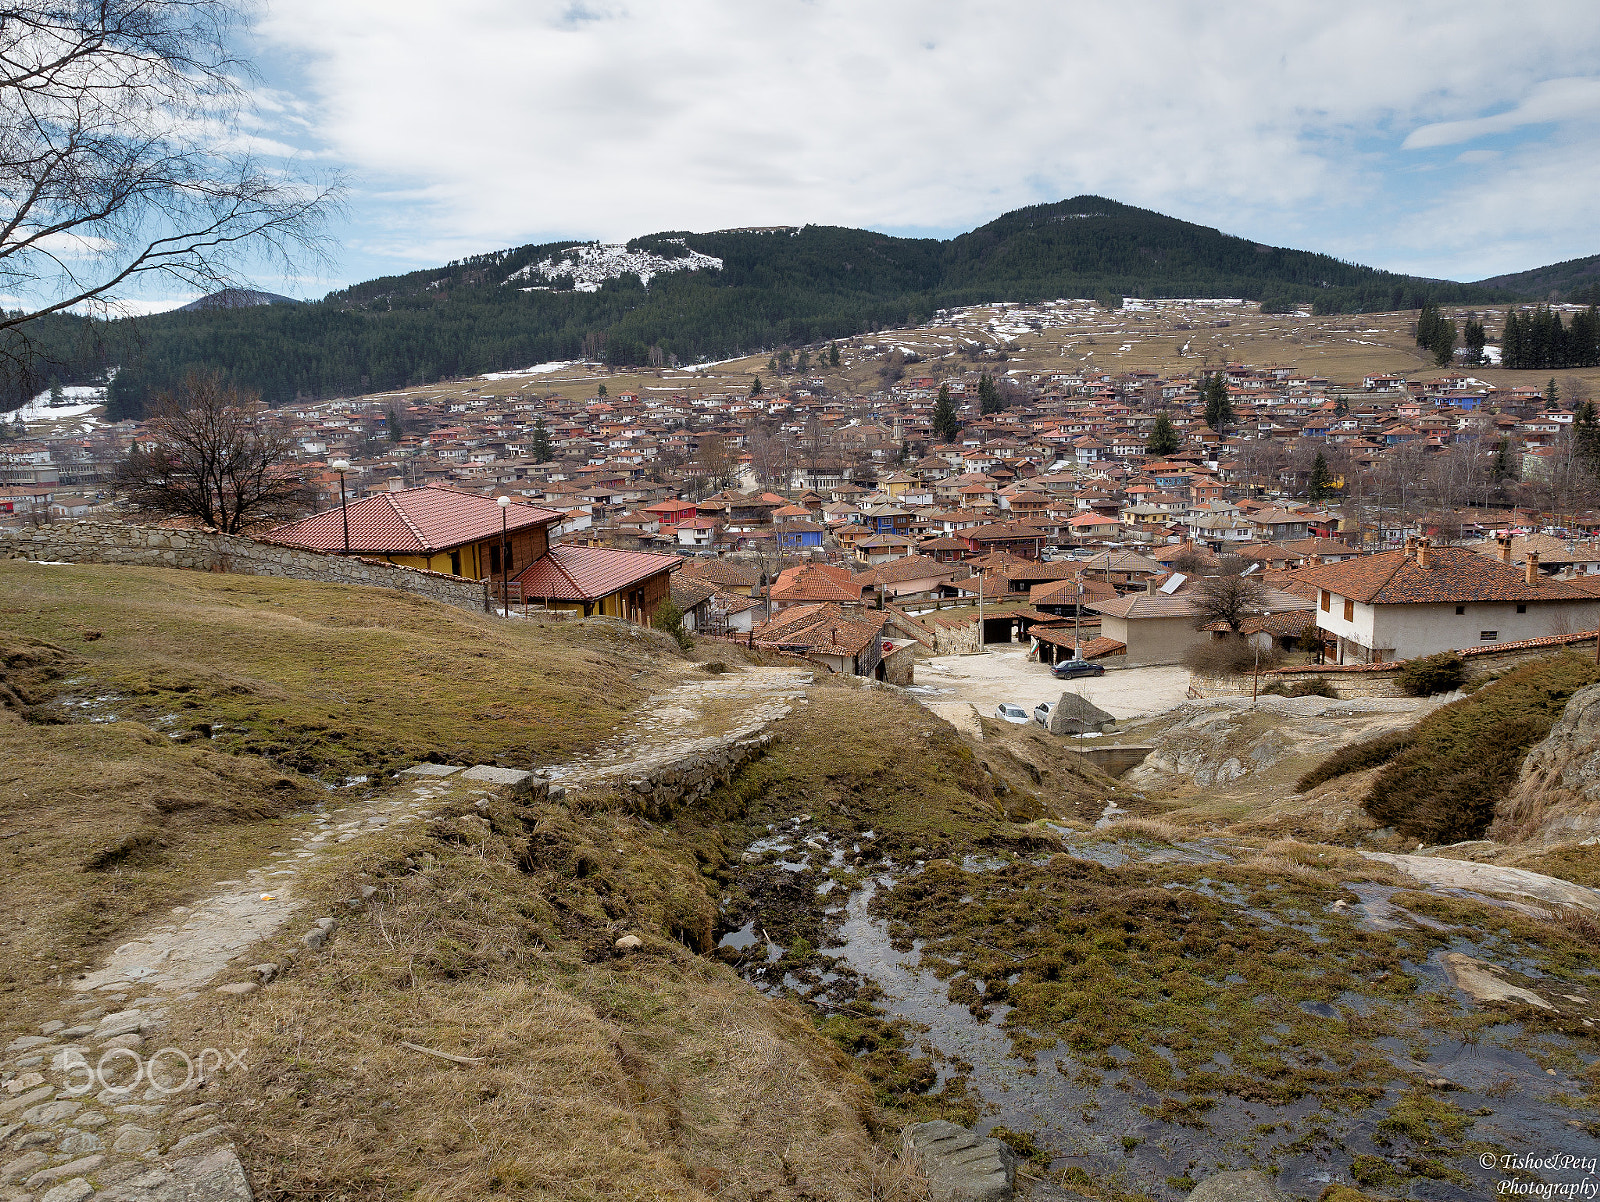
(1115, 760)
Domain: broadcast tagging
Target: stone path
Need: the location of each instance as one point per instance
(690, 720)
(66, 1137)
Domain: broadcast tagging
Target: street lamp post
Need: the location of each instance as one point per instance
(505, 559)
(342, 466)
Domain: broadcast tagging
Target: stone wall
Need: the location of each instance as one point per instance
(195, 550)
(662, 792)
(1378, 680)
(955, 638)
(899, 666)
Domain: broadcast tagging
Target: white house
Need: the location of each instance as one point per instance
(1424, 599)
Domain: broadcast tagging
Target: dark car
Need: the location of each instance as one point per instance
(1069, 668)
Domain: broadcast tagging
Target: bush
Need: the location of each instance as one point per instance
(669, 620)
(1434, 674)
(1313, 686)
(1464, 758)
(1229, 655)
(1357, 757)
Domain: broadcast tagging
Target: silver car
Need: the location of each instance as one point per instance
(1041, 713)
(1011, 713)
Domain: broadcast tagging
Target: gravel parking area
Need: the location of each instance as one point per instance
(953, 686)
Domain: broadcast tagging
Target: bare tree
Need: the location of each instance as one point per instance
(216, 457)
(1227, 599)
(119, 159)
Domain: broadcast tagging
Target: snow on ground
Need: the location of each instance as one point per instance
(593, 264)
(83, 399)
(538, 369)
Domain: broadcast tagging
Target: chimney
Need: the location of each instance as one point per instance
(1411, 545)
(1150, 587)
(1313, 561)
(1424, 552)
(1530, 571)
(396, 484)
(1504, 539)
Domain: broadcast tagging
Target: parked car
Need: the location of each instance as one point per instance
(1067, 669)
(1011, 713)
(1041, 713)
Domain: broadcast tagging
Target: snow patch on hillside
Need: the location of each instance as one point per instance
(594, 264)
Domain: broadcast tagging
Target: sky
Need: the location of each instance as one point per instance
(1457, 140)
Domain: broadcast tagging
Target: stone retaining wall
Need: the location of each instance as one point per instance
(661, 793)
(196, 550)
(899, 666)
(1378, 680)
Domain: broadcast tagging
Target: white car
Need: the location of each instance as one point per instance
(1011, 713)
(1041, 713)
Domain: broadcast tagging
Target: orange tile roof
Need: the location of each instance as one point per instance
(1453, 574)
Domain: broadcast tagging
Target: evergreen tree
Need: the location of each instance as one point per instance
(1552, 395)
(1321, 479)
(755, 386)
(1341, 406)
(394, 425)
(945, 425)
(600, 390)
(541, 442)
(1586, 434)
(833, 354)
(1219, 409)
(1163, 438)
(988, 395)
(804, 362)
(1473, 336)
(57, 396)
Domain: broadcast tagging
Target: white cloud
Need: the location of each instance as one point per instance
(488, 123)
(1551, 101)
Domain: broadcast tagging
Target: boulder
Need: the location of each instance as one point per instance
(1076, 715)
(1247, 1186)
(958, 1165)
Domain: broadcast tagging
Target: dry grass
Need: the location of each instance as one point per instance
(329, 679)
(1143, 828)
(657, 1075)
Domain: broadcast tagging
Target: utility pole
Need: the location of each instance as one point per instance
(1077, 625)
(980, 609)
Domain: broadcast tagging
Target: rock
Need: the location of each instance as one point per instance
(188, 1141)
(314, 938)
(50, 1028)
(133, 1139)
(123, 1022)
(31, 1098)
(75, 1190)
(1479, 981)
(1557, 796)
(958, 1165)
(25, 1082)
(90, 1120)
(52, 1112)
(238, 988)
(1247, 1186)
(77, 1032)
(124, 1041)
(73, 1168)
(22, 1166)
(78, 1143)
(1490, 878)
(265, 971)
(23, 1042)
(193, 1112)
(1076, 715)
(629, 943)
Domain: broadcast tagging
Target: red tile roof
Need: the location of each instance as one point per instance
(412, 521)
(589, 573)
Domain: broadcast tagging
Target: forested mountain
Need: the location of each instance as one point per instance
(1576, 280)
(774, 287)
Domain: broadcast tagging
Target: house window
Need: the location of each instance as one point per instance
(1460, 609)
(1349, 610)
(1488, 636)
(1327, 600)
(1522, 609)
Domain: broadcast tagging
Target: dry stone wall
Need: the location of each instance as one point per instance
(196, 550)
(660, 793)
